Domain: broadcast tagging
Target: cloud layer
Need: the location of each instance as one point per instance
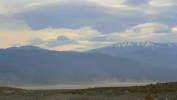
(86, 24)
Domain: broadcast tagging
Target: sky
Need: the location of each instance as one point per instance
(81, 25)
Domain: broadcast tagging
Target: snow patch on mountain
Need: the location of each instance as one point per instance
(146, 44)
(125, 47)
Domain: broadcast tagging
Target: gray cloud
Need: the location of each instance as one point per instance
(36, 41)
(168, 18)
(100, 39)
(73, 16)
(61, 40)
(163, 31)
(136, 2)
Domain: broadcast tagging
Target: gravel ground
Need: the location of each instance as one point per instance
(128, 96)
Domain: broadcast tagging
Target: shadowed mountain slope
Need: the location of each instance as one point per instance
(152, 57)
(53, 67)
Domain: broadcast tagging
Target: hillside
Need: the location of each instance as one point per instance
(160, 91)
(10, 90)
(34, 67)
(152, 57)
(153, 88)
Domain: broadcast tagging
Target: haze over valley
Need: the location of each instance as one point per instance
(34, 66)
(88, 49)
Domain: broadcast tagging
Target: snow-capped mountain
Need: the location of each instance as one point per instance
(20, 67)
(147, 44)
(126, 47)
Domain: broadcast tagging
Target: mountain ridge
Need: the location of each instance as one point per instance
(26, 47)
(58, 67)
(126, 47)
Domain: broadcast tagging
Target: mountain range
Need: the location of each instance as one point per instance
(28, 65)
(127, 47)
(157, 54)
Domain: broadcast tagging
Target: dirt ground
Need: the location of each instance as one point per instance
(129, 96)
